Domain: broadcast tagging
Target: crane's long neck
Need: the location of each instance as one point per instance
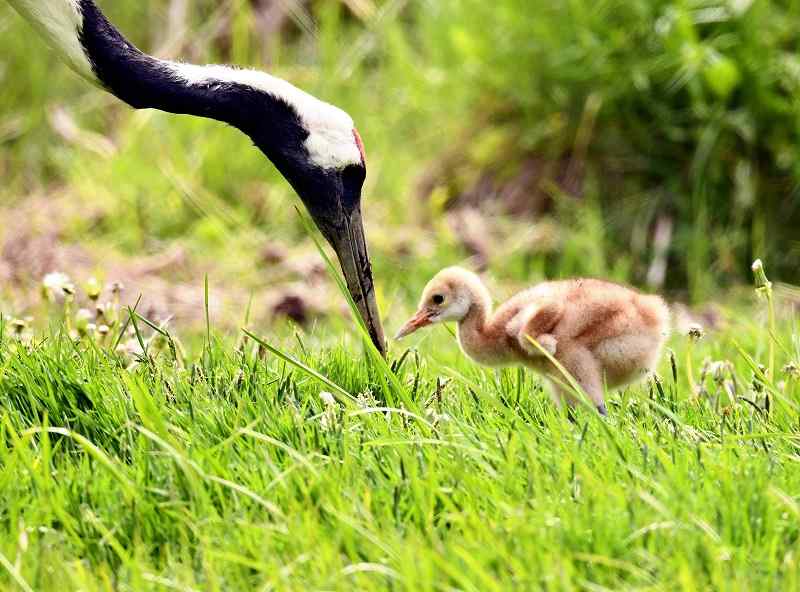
(280, 118)
(95, 49)
(144, 82)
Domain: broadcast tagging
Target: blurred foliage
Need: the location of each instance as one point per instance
(638, 110)
(688, 109)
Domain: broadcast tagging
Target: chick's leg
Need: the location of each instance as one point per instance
(536, 322)
(585, 369)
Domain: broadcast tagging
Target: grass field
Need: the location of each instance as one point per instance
(230, 469)
(650, 142)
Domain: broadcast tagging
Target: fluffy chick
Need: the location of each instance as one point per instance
(601, 332)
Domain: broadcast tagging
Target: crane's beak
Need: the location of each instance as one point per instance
(351, 249)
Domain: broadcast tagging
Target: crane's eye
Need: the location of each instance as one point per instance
(438, 299)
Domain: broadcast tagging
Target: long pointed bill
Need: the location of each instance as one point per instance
(351, 249)
(419, 320)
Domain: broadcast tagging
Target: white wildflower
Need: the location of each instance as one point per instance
(18, 325)
(366, 399)
(717, 370)
(762, 283)
(435, 417)
(56, 285)
(129, 349)
(329, 419)
(22, 541)
(791, 370)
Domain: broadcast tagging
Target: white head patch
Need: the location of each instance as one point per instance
(456, 310)
(331, 142)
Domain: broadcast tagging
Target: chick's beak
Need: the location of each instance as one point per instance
(421, 319)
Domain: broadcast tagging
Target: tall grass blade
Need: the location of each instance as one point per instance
(341, 393)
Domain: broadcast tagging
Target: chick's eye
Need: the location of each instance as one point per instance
(438, 298)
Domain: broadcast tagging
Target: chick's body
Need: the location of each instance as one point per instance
(621, 328)
(601, 332)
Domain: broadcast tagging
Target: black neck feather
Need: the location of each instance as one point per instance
(144, 82)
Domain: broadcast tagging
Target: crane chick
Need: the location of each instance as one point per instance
(601, 332)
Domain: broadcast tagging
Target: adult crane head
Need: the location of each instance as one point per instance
(314, 145)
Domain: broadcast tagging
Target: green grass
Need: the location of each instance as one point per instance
(230, 471)
(227, 470)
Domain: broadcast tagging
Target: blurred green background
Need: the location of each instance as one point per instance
(648, 141)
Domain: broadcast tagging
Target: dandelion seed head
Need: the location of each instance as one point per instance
(791, 370)
(696, 332)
